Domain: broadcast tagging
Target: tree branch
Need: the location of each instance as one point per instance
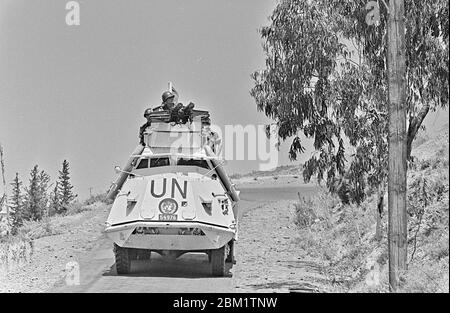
(414, 126)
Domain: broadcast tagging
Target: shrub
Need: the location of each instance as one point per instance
(76, 208)
(423, 165)
(304, 210)
(309, 210)
(38, 229)
(440, 250)
(96, 198)
(14, 252)
(426, 277)
(339, 235)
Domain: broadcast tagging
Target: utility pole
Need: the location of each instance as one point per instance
(397, 143)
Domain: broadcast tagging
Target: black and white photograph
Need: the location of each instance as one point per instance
(230, 154)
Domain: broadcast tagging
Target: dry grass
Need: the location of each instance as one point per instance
(17, 250)
(38, 229)
(14, 252)
(428, 228)
(342, 237)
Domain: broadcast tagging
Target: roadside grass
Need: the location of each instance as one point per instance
(17, 250)
(100, 197)
(428, 227)
(58, 224)
(339, 236)
(342, 237)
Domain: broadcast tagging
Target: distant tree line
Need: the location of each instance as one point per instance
(39, 199)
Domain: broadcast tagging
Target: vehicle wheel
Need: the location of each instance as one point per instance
(123, 260)
(144, 254)
(230, 254)
(218, 261)
(133, 253)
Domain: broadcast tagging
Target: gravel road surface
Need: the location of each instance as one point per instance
(268, 258)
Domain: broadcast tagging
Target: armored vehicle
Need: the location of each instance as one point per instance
(173, 195)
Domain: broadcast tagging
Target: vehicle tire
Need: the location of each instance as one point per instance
(133, 254)
(144, 254)
(123, 260)
(230, 254)
(218, 257)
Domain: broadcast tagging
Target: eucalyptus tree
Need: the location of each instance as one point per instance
(325, 77)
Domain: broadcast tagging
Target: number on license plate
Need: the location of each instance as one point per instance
(167, 217)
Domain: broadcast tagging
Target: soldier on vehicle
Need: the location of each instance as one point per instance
(144, 126)
(178, 112)
(169, 100)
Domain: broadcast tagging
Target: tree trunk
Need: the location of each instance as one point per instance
(397, 237)
(379, 214)
(414, 125)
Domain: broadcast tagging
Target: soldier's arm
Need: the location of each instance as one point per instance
(141, 133)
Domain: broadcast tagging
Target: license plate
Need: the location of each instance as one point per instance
(167, 217)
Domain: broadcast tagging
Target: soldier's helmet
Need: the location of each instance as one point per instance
(167, 95)
(147, 112)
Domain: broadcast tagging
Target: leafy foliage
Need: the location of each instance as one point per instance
(326, 78)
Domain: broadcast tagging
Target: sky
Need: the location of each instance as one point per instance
(79, 92)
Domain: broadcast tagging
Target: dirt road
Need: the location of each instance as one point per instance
(267, 258)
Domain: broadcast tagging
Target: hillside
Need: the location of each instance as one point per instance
(285, 175)
(431, 145)
(40, 256)
(342, 237)
(279, 171)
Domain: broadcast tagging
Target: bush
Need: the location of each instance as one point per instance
(440, 250)
(304, 212)
(96, 198)
(339, 235)
(235, 176)
(38, 229)
(427, 277)
(423, 165)
(310, 210)
(5, 228)
(76, 208)
(14, 252)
